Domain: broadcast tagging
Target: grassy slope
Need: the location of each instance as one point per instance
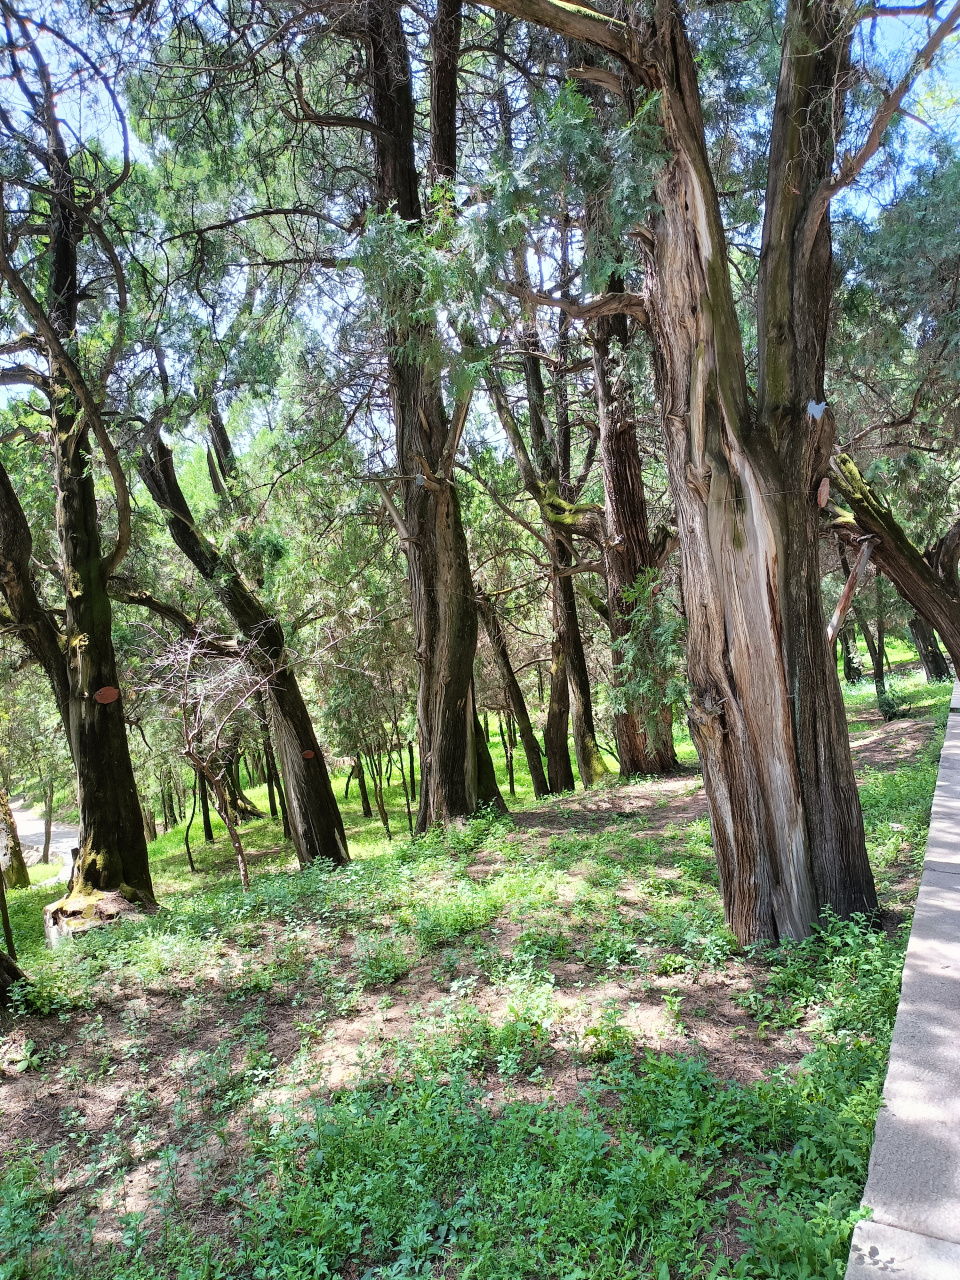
(656, 1167)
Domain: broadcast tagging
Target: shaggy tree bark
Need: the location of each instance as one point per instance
(315, 824)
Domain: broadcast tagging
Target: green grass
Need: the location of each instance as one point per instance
(444, 1150)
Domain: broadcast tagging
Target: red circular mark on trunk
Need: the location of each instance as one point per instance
(308, 755)
(106, 694)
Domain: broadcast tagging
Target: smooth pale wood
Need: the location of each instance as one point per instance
(849, 588)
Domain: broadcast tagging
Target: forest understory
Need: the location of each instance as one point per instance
(526, 1047)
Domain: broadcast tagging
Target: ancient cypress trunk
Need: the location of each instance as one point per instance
(13, 869)
(766, 713)
(498, 646)
(113, 850)
(644, 733)
(316, 827)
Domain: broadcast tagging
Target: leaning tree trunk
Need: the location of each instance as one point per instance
(511, 685)
(934, 592)
(316, 827)
(12, 866)
(644, 733)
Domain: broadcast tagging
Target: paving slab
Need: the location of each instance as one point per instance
(879, 1250)
(913, 1183)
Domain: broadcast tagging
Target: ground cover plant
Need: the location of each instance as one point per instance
(525, 1047)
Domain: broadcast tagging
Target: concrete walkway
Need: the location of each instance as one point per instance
(63, 839)
(913, 1184)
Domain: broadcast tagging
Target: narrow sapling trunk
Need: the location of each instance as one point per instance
(205, 809)
(852, 666)
(507, 756)
(590, 761)
(47, 820)
(511, 686)
(223, 808)
(362, 784)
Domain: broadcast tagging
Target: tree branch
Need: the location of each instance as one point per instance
(852, 165)
(610, 304)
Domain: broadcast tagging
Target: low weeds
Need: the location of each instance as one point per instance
(513, 1121)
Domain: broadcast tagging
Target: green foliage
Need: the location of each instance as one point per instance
(380, 961)
(651, 668)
